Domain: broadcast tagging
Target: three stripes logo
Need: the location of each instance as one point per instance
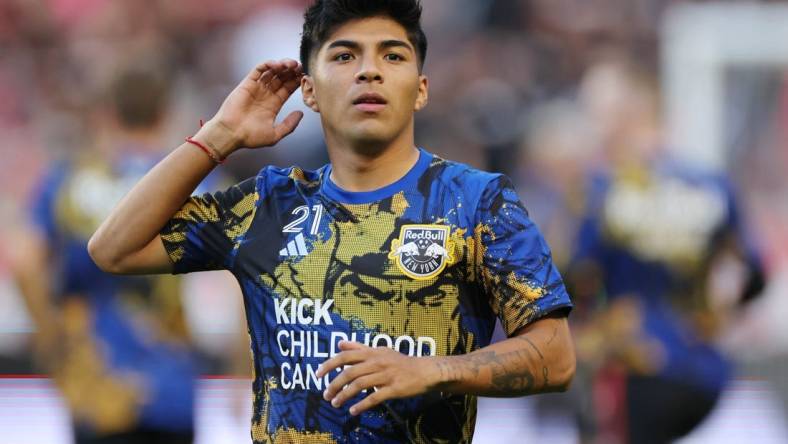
(295, 248)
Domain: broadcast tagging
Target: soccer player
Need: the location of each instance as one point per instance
(371, 285)
(116, 346)
(665, 245)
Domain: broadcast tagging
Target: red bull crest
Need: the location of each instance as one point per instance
(422, 251)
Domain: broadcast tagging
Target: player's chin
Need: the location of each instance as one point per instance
(372, 133)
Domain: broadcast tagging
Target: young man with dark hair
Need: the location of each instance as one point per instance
(371, 285)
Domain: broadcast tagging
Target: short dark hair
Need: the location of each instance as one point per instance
(139, 94)
(325, 16)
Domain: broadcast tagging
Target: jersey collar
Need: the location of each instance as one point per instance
(334, 192)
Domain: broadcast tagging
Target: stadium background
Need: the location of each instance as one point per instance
(508, 78)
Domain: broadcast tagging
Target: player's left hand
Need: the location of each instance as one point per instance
(385, 373)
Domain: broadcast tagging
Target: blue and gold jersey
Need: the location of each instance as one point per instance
(422, 266)
(652, 233)
(122, 360)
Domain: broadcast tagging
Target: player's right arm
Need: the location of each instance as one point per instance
(128, 241)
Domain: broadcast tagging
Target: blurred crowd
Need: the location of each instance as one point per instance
(562, 95)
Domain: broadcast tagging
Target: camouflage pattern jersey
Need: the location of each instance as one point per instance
(123, 358)
(424, 266)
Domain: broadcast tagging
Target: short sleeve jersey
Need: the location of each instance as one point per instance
(123, 359)
(422, 266)
(650, 234)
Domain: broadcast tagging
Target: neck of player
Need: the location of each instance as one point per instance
(359, 166)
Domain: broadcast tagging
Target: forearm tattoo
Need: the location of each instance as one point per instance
(512, 373)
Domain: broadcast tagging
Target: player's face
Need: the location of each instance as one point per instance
(365, 82)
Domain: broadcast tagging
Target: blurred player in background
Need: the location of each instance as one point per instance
(117, 347)
(388, 259)
(557, 153)
(664, 259)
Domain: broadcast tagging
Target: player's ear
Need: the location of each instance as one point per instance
(423, 96)
(308, 93)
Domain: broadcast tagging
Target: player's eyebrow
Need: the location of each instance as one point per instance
(395, 44)
(344, 43)
(350, 44)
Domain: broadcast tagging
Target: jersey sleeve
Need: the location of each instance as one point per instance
(514, 263)
(204, 233)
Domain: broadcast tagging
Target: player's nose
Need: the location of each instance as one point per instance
(368, 76)
(369, 71)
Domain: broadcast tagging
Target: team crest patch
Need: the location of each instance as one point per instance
(422, 251)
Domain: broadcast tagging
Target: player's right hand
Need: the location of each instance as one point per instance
(247, 118)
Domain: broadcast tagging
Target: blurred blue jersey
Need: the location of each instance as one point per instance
(125, 360)
(652, 234)
(423, 266)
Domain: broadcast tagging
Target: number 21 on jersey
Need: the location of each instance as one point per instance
(302, 214)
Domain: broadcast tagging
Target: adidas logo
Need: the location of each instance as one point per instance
(296, 247)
